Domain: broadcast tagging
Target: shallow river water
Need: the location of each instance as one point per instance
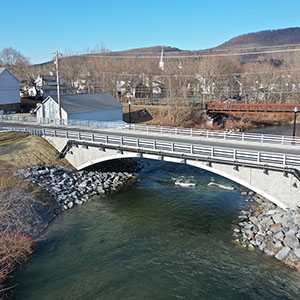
(155, 240)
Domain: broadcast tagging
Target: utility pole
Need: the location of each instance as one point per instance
(58, 87)
(103, 78)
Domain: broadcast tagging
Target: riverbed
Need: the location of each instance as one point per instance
(155, 240)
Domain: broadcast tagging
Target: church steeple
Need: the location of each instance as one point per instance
(161, 62)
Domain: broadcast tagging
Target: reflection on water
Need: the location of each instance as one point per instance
(156, 240)
(280, 130)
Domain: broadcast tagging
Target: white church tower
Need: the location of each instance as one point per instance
(161, 62)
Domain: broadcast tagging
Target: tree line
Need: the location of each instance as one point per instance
(268, 79)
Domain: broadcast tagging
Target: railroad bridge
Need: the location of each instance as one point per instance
(251, 108)
(266, 164)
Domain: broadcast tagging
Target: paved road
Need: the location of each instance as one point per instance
(255, 146)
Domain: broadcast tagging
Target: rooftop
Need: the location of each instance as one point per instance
(87, 102)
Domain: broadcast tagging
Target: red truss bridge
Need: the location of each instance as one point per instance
(248, 108)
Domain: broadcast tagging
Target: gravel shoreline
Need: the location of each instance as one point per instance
(274, 231)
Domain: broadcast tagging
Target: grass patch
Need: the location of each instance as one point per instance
(23, 151)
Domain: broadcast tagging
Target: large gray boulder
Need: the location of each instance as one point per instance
(291, 239)
(283, 253)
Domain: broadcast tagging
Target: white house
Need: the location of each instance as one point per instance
(46, 85)
(97, 107)
(9, 90)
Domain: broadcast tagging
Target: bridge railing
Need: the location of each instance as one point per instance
(233, 155)
(202, 133)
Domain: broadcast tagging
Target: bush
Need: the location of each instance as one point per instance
(14, 249)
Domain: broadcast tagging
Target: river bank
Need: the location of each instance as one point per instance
(272, 230)
(32, 197)
(155, 240)
(70, 188)
(250, 122)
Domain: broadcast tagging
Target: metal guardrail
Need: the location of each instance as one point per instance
(221, 135)
(173, 147)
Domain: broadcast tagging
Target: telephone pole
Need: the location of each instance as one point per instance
(58, 87)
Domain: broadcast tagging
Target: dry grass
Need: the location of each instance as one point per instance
(248, 121)
(23, 151)
(14, 249)
(174, 114)
(20, 151)
(180, 115)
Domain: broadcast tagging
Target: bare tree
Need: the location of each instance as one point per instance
(15, 62)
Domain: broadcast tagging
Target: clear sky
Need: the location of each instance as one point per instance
(37, 28)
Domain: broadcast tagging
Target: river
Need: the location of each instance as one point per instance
(280, 130)
(155, 240)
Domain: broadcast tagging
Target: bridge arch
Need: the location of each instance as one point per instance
(241, 176)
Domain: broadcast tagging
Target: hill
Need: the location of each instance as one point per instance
(286, 36)
(261, 40)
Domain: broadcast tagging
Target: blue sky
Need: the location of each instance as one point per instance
(37, 28)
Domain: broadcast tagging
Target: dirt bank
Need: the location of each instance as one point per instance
(183, 116)
(25, 209)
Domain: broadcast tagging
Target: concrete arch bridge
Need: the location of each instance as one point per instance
(268, 166)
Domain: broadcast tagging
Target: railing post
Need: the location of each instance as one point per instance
(154, 144)
(79, 136)
(55, 134)
(243, 137)
(282, 140)
(207, 134)
(234, 154)
(176, 129)
(284, 159)
(67, 134)
(262, 138)
(137, 143)
(93, 137)
(224, 135)
(161, 129)
(147, 127)
(191, 132)
(258, 157)
(212, 151)
(192, 149)
(106, 139)
(172, 147)
(44, 132)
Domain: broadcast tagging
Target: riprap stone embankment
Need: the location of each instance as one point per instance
(271, 229)
(70, 187)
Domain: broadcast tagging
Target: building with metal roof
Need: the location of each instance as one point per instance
(96, 107)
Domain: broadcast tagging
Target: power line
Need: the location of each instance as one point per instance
(182, 75)
(207, 50)
(190, 56)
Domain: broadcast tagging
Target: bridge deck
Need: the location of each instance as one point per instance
(214, 142)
